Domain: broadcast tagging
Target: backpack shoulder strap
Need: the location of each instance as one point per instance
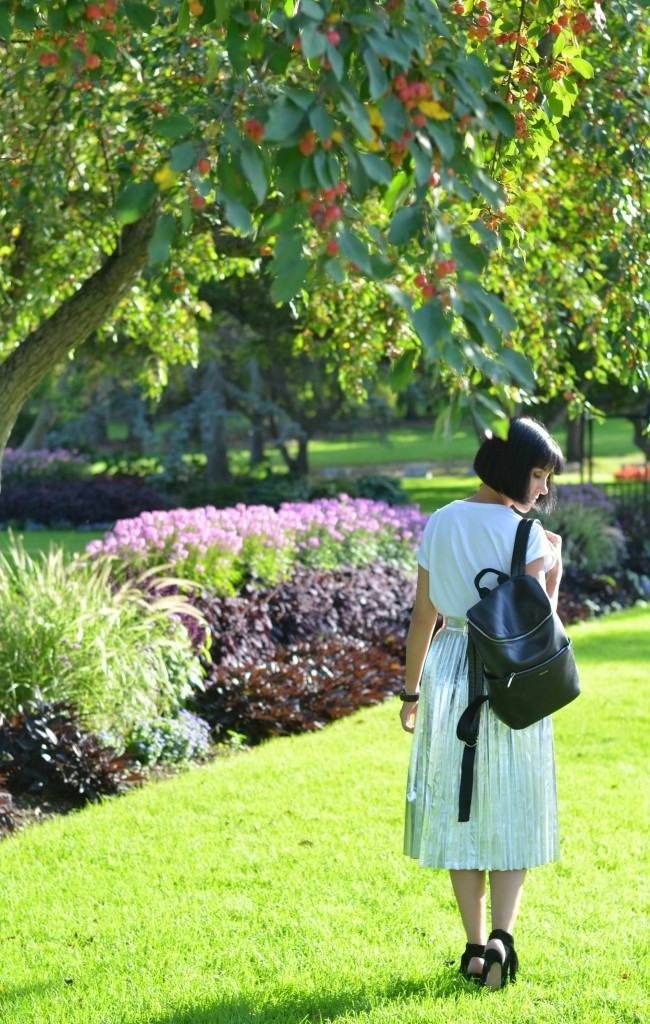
(518, 566)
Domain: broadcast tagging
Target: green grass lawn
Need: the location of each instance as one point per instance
(269, 886)
(613, 445)
(40, 540)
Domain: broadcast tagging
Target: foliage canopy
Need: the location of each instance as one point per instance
(404, 151)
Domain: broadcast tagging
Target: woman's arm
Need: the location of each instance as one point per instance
(423, 621)
(550, 581)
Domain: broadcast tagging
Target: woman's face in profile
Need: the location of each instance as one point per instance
(537, 488)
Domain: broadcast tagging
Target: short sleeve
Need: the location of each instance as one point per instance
(423, 553)
(539, 547)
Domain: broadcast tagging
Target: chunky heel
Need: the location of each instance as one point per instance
(472, 949)
(498, 969)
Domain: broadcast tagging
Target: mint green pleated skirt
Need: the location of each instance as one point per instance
(514, 820)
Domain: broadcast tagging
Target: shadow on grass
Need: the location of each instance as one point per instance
(311, 1007)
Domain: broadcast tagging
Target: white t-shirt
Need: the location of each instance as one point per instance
(466, 536)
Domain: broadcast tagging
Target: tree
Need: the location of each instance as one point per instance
(169, 138)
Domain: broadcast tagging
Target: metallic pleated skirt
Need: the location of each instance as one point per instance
(513, 822)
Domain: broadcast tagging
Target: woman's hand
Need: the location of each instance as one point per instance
(555, 541)
(554, 575)
(408, 713)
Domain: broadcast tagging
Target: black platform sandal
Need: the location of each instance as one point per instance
(496, 970)
(471, 949)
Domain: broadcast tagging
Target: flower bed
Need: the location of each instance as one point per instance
(224, 548)
(633, 471)
(41, 463)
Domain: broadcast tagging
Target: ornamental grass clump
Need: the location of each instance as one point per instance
(69, 633)
(586, 520)
(223, 549)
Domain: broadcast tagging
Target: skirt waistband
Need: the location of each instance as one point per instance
(456, 622)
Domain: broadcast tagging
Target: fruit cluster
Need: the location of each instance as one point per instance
(441, 271)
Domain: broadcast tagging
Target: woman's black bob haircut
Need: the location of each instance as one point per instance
(506, 465)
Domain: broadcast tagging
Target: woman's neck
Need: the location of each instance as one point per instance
(488, 496)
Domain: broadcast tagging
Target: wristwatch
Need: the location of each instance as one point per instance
(408, 697)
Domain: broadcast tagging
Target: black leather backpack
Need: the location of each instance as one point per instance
(520, 659)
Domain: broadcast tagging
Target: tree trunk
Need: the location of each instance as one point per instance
(641, 439)
(217, 468)
(257, 447)
(73, 321)
(298, 464)
(257, 425)
(575, 440)
(35, 436)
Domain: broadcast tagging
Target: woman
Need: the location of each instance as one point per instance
(513, 823)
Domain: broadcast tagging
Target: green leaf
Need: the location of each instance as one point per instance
(5, 24)
(323, 170)
(334, 270)
(397, 190)
(423, 163)
(503, 318)
(173, 126)
(183, 22)
(182, 157)
(376, 168)
(134, 201)
(405, 225)
(359, 181)
(443, 138)
(432, 327)
(313, 42)
(381, 266)
(377, 75)
(394, 117)
(402, 370)
(163, 236)
(481, 331)
(139, 14)
(284, 120)
(388, 46)
(237, 214)
(254, 170)
(354, 250)
(504, 120)
(335, 58)
(26, 20)
(583, 67)
(519, 369)
(290, 282)
(400, 298)
(469, 256)
(321, 122)
(209, 13)
(312, 9)
(358, 117)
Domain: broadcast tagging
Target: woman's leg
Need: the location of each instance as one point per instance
(469, 889)
(506, 890)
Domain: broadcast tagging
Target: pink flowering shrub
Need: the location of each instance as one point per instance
(223, 548)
